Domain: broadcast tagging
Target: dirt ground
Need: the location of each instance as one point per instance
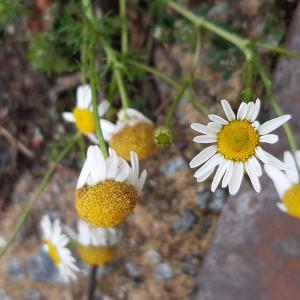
(163, 243)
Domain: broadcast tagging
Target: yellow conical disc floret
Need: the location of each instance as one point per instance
(291, 199)
(105, 204)
(96, 255)
(84, 120)
(137, 138)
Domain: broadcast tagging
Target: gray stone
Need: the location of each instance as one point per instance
(177, 223)
(3, 295)
(42, 268)
(163, 271)
(33, 295)
(152, 256)
(217, 201)
(191, 269)
(15, 269)
(203, 198)
(132, 268)
(172, 166)
(189, 219)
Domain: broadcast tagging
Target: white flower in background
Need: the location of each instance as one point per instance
(132, 132)
(82, 114)
(55, 243)
(237, 146)
(96, 246)
(287, 183)
(108, 189)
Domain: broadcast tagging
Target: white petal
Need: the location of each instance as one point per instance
(83, 175)
(236, 178)
(228, 174)
(96, 163)
(134, 164)
(214, 126)
(83, 96)
(69, 117)
(255, 110)
(273, 124)
(210, 164)
(280, 180)
(228, 110)
(93, 138)
(203, 156)
(269, 138)
(123, 170)
(137, 115)
(217, 119)
(103, 107)
(142, 181)
(282, 207)
(253, 176)
(108, 129)
(205, 175)
(112, 163)
(255, 165)
(204, 139)
(255, 125)
(250, 108)
(272, 160)
(241, 114)
(203, 129)
(292, 171)
(219, 174)
(261, 154)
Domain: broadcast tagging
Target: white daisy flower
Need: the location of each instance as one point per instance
(55, 243)
(287, 183)
(96, 246)
(107, 189)
(82, 114)
(132, 132)
(237, 146)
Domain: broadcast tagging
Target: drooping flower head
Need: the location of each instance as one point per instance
(287, 183)
(96, 246)
(55, 243)
(132, 132)
(237, 146)
(82, 114)
(108, 189)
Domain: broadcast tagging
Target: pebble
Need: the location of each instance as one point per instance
(132, 268)
(152, 256)
(16, 269)
(3, 295)
(191, 269)
(189, 219)
(163, 271)
(177, 223)
(203, 198)
(33, 295)
(172, 166)
(212, 201)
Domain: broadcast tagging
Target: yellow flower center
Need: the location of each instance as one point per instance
(53, 253)
(95, 255)
(105, 204)
(137, 138)
(84, 120)
(238, 140)
(291, 199)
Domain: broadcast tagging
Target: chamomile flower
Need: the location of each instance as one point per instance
(96, 246)
(108, 189)
(82, 114)
(287, 183)
(132, 132)
(237, 146)
(55, 243)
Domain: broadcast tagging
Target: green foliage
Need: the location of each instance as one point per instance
(55, 149)
(9, 10)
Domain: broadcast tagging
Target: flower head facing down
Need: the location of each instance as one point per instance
(287, 183)
(236, 146)
(82, 114)
(96, 246)
(55, 243)
(108, 189)
(132, 132)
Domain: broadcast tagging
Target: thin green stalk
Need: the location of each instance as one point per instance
(269, 89)
(37, 195)
(124, 28)
(119, 78)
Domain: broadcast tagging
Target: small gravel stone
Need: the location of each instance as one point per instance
(217, 201)
(16, 269)
(189, 219)
(191, 269)
(177, 223)
(3, 295)
(33, 295)
(163, 271)
(172, 166)
(152, 256)
(203, 198)
(132, 268)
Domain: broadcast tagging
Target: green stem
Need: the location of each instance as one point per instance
(269, 89)
(38, 193)
(124, 28)
(121, 87)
